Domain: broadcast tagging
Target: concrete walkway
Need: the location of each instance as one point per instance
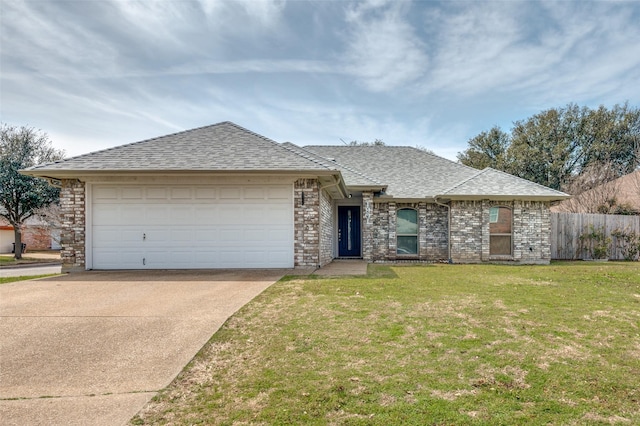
(51, 265)
(92, 348)
(342, 267)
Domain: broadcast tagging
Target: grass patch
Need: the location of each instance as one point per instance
(9, 260)
(6, 280)
(439, 344)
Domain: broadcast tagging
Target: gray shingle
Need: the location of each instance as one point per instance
(491, 182)
(219, 147)
(413, 173)
(408, 172)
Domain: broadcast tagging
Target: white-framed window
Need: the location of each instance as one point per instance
(407, 232)
(500, 231)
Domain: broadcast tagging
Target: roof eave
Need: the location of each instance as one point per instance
(78, 174)
(505, 197)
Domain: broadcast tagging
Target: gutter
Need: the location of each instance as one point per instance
(435, 199)
(342, 186)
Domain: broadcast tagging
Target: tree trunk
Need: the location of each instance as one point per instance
(18, 242)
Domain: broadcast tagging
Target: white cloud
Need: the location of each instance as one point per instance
(382, 47)
(556, 51)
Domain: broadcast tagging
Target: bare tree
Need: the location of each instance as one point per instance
(595, 190)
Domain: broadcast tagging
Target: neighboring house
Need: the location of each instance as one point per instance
(619, 194)
(35, 234)
(6, 237)
(222, 196)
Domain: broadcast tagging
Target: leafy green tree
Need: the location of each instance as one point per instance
(555, 146)
(488, 149)
(22, 196)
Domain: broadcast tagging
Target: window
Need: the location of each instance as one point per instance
(500, 219)
(493, 214)
(407, 232)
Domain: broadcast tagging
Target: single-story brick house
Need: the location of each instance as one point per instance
(222, 196)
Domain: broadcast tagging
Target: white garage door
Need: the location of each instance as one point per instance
(185, 227)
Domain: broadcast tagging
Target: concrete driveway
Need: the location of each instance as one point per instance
(92, 348)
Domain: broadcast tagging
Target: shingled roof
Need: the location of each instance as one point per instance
(491, 183)
(408, 172)
(401, 172)
(413, 173)
(220, 147)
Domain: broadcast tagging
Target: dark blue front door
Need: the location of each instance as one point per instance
(349, 231)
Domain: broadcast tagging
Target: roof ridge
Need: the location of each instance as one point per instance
(463, 181)
(352, 170)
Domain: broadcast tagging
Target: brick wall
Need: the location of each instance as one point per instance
(326, 228)
(379, 232)
(36, 237)
(368, 216)
(532, 232)
(470, 231)
(306, 210)
(466, 231)
(72, 209)
(432, 231)
(436, 232)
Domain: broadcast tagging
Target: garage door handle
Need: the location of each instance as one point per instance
(144, 237)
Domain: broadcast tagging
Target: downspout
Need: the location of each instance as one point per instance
(435, 199)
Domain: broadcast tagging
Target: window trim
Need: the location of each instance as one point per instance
(398, 234)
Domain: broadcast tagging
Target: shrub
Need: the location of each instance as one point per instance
(628, 242)
(595, 242)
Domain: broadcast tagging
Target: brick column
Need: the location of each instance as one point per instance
(422, 231)
(306, 206)
(72, 209)
(393, 242)
(486, 236)
(367, 226)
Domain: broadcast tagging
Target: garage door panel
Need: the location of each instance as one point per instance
(107, 215)
(158, 215)
(279, 235)
(181, 193)
(280, 193)
(106, 193)
(134, 214)
(278, 256)
(156, 193)
(131, 193)
(181, 214)
(230, 193)
(204, 214)
(206, 235)
(206, 193)
(120, 258)
(224, 226)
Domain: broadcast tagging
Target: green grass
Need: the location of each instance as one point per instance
(440, 344)
(6, 280)
(11, 260)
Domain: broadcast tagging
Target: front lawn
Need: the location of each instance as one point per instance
(7, 280)
(439, 344)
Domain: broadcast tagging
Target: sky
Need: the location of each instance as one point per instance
(94, 74)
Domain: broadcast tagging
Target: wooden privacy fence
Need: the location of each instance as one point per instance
(566, 229)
